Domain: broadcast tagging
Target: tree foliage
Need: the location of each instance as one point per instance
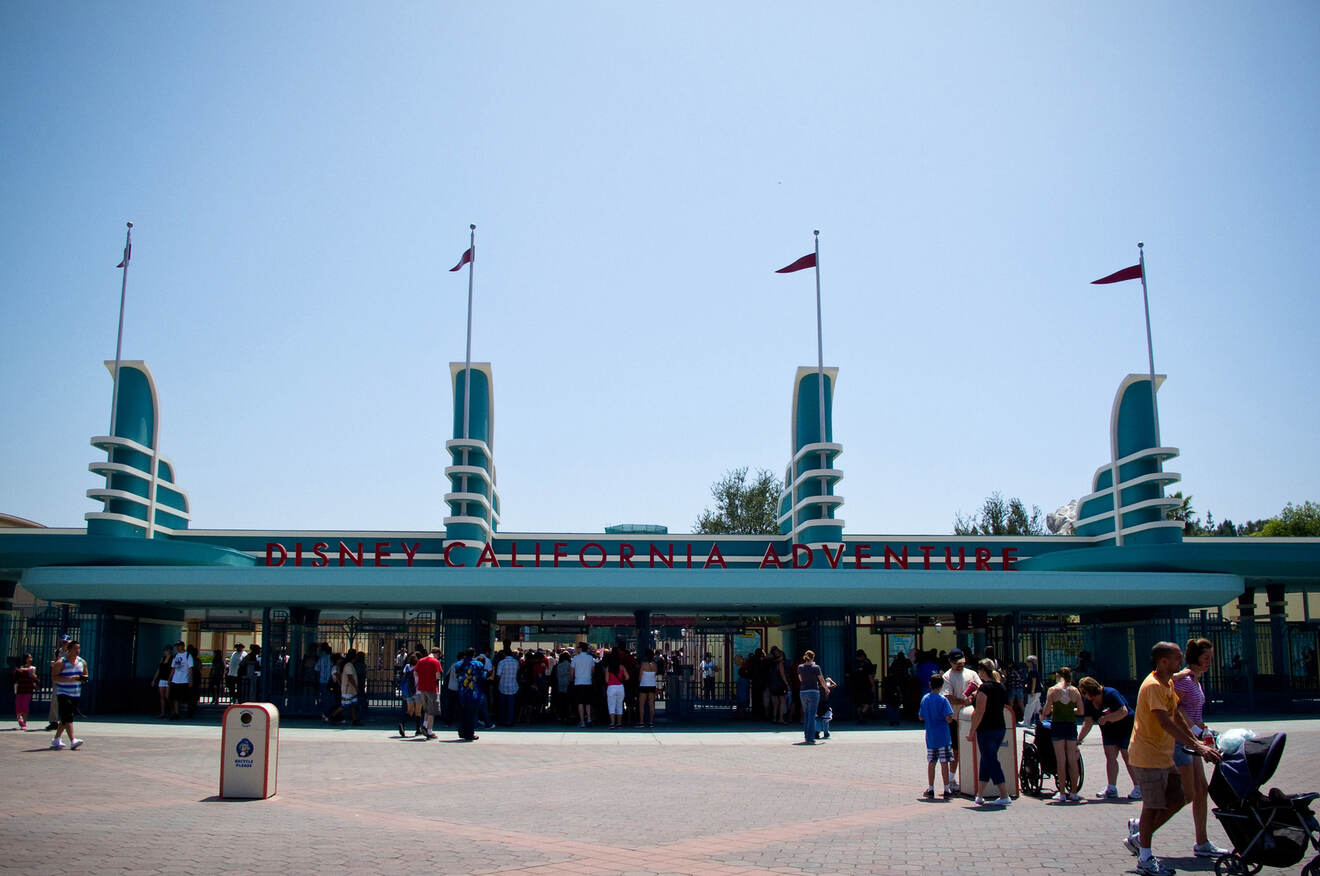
(1185, 513)
(1000, 517)
(1293, 521)
(743, 508)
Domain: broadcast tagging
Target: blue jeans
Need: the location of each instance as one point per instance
(987, 743)
(508, 708)
(810, 702)
(467, 717)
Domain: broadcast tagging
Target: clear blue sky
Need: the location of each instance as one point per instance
(302, 175)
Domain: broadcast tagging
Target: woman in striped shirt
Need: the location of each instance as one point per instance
(1191, 702)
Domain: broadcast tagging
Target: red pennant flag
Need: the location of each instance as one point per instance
(1132, 273)
(467, 257)
(807, 261)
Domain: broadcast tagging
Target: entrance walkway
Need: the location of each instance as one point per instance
(139, 797)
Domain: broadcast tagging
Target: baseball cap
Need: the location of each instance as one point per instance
(957, 654)
(66, 638)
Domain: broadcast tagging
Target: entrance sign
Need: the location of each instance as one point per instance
(628, 555)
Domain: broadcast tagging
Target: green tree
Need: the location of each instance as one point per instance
(743, 508)
(1295, 521)
(1185, 513)
(1226, 528)
(1000, 517)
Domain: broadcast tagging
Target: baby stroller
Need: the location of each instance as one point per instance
(1267, 830)
(1038, 762)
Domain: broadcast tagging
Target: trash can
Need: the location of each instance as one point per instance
(249, 750)
(969, 756)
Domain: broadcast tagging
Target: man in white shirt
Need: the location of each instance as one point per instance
(956, 681)
(583, 666)
(708, 669)
(181, 672)
(231, 673)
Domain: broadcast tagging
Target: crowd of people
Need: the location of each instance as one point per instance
(1163, 743)
(590, 686)
(586, 686)
(181, 682)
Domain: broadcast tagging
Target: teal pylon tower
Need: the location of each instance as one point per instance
(808, 503)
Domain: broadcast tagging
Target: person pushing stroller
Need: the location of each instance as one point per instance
(1157, 728)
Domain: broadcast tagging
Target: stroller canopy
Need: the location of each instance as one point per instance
(1241, 774)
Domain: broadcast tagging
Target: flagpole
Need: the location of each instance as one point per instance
(119, 339)
(467, 362)
(1150, 349)
(820, 350)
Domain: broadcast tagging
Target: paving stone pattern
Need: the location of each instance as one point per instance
(141, 797)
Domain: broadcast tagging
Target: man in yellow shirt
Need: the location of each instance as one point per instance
(1157, 729)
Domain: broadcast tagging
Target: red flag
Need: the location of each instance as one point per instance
(1132, 273)
(807, 261)
(467, 257)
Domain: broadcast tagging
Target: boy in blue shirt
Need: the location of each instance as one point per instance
(937, 715)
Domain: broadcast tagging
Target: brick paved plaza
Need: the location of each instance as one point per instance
(139, 797)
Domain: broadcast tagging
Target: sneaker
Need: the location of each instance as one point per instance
(929, 795)
(51, 726)
(1152, 867)
(827, 734)
(401, 731)
(581, 724)
(1074, 798)
(998, 801)
(947, 793)
(430, 735)
(979, 801)
(1060, 798)
(1133, 840)
(1107, 794)
(1208, 850)
(1134, 794)
(953, 786)
(56, 744)
(73, 746)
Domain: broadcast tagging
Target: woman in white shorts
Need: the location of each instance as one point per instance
(615, 676)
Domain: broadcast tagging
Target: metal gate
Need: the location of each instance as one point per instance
(39, 635)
